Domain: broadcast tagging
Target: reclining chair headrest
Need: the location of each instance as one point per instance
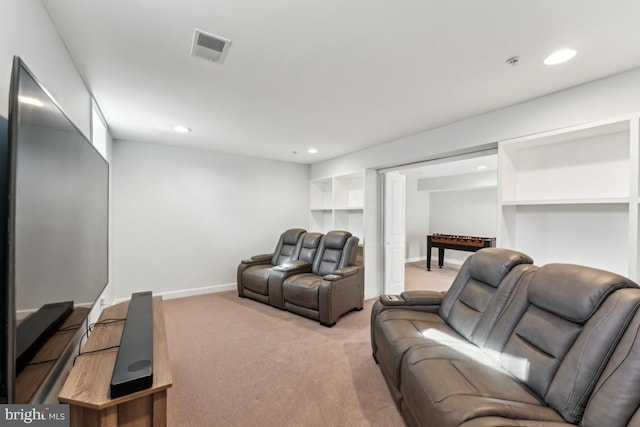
(310, 244)
(311, 240)
(291, 236)
(336, 239)
(555, 286)
(288, 246)
(491, 265)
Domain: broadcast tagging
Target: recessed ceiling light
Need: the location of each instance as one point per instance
(31, 101)
(560, 56)
(312, 151)
(481, 167)
(181, 129)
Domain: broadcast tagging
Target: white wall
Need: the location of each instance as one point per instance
(463, 212)
(607, 97)
(183, 219)
(27, 31)
(416, 219)
(470, 210)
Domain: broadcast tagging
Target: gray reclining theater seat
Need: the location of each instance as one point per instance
(302, 264)
(466, 313)
(616, 396)
(253, 274)
(568, 319)
(615, 399)
(334, 286)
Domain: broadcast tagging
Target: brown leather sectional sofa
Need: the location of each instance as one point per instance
(513, 344)
(311, 274)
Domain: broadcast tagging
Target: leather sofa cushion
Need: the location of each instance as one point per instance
(560, 359)
(336, 239)
(256, 278)
(491, 265)
(329, 262)
(302, 290)
(446, 385)
(472, 306)
(287, 246)
(616, 395)
(555, 287)
(310, 244)
(331, 254)
(398, 330)
(506, 422)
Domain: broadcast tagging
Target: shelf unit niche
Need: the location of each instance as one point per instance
(571, 195)
(338, 203)
(349, 202)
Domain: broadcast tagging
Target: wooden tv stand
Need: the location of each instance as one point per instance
(87, 387)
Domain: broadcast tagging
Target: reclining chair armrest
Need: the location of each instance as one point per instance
(339, 294)
(425, 301)
(258, 259)
(423, 297)
(279, 274)
(292, 266)
(392, 300)
(343, 272)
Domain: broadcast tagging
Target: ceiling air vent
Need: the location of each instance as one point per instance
(210, 47)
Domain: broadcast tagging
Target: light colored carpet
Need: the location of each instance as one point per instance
(238, 362)
(416, 276)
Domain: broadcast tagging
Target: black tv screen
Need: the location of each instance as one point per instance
(57, 214)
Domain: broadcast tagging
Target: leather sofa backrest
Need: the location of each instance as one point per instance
(288, 246)
(570, 324)
(616, 396)
(480, 290)
(337, 250)
(310, 244)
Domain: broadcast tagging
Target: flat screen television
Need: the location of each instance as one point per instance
(53, 225)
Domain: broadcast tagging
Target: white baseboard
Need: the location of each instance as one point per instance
(415, 259)
(188, 292)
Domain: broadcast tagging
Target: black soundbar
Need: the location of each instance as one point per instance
(36, 329)
(133, 370)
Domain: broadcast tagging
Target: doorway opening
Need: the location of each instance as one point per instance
(456, 196)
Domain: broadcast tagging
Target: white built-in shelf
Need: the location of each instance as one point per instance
(571, 195)
(338, 202)
(594, 201)
(321, 194)
(349, 202)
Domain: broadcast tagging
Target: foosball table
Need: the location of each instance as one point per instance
(454, 241)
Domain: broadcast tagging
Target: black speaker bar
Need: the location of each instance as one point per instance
(133, 370)
(36, 329)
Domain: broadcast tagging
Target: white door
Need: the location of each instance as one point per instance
(394, 237)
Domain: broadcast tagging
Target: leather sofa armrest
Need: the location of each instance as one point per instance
(258, 259)
(413, 298)
(291, 266)
(422, 297)
(342, 272)
(391, 300)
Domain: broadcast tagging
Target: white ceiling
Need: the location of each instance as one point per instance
(338, 75)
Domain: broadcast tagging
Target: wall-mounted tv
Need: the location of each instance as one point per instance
(53, 230)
